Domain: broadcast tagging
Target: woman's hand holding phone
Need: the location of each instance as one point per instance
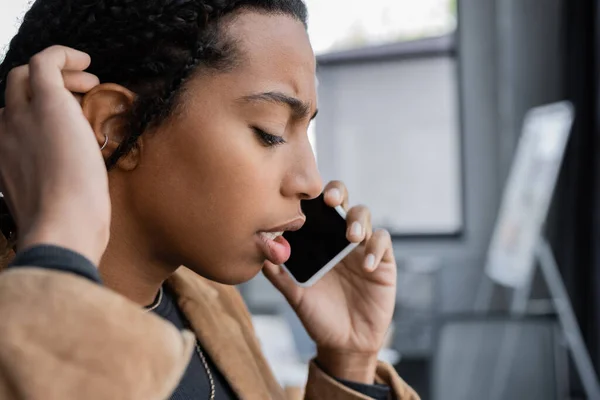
(51, 172)
(349, 310)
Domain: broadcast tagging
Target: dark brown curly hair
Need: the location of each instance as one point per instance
(150, 47)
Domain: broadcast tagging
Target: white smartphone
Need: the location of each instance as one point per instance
(319, 245)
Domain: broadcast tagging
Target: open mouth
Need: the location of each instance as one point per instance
(274, 246)
(271, 235)
(272, 243)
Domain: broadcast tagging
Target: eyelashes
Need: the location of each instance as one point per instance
(267, 139)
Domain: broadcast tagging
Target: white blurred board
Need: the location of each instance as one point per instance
(528, 193)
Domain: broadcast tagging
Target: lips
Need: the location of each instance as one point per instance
(273, 245)
(292, 226)
(275, 248)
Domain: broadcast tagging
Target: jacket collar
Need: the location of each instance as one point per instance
(220, 335)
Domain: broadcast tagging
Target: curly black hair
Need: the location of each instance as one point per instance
(148, 46)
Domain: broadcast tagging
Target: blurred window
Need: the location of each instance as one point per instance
(389, 121)
(349, 24)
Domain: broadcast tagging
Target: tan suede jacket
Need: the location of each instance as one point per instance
(63, 337)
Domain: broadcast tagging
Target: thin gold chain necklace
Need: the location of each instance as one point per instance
(211, 381)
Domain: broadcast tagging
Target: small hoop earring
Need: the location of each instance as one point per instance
(105, 142)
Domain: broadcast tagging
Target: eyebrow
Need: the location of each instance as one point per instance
(299, 108)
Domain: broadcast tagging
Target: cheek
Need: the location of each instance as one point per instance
(231, 168)
(205, 194)
(220, 178)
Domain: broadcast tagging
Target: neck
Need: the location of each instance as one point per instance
(129, 266)
(136, 282)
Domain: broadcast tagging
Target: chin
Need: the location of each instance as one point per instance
(228, 275)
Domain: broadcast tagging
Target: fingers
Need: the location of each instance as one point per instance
(378, 249)
(378, 245)
(358, 220)
(46, 68)
(336, 194)
(79, 82)
(283, 282)
(55, 67)
(17, 87)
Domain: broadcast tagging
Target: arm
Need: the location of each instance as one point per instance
(63, 336)
(321, 384)
(348, 311)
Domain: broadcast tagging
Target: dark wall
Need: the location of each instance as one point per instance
(574, 227)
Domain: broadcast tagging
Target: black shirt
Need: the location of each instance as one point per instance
(194, 384)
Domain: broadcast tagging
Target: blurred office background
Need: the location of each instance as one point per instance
(421, 108)
(429, 97)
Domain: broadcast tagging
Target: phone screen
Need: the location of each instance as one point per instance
(318, 242)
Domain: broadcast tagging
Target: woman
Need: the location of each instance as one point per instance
(201, 116)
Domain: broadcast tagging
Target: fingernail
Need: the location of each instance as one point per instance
(370, 262)
(356, 229)
(335, 195)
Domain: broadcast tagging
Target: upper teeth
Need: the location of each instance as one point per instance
(272, 235)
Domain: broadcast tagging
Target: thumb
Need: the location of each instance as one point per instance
(283, 282)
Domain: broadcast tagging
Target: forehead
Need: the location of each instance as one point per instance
(275, 54)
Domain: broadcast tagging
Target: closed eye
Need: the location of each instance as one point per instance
(268, 139)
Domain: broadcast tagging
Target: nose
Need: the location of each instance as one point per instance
(303, 180)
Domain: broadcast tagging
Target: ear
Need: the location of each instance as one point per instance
(106, 107)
